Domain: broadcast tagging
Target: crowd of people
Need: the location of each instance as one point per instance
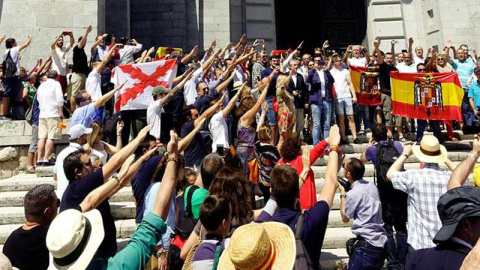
(217, 163)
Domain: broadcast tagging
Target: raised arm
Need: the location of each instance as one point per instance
(106, 59)
(410, 46)
(380, 57)
(26, 43)
(54, 43)
(248, 117)
(331, 183)
(430, 65)
(185, 141)
(103, 99)
(210, 111)
(175, 89)
(398, 164)
(367, 55)
(232, 101)
(83, 41)
(110, 149)
(186, 58)
(98, 41)
(223, 85)
(117, 160)
(460, 174)
(261, 121)
(72, 40)
(347, 54)
(242, 40)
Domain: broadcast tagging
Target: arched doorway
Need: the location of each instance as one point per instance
(342, 22)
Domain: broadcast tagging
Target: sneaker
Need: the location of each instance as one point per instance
(357, 141)
(402, 139)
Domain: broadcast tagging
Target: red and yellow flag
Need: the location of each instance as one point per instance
(431, 96)
(367, 85)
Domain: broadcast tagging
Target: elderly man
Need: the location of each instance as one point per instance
(418, 57)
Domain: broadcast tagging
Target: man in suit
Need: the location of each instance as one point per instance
(298, 89)
(459, 210)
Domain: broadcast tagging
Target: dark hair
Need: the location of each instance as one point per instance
(198, 83)
(213, 211)
(123, 40)
(284, 179)
(72, 162)
(387, 53)
(9, 43)
(36, 200)
(379, 132)
(187, 112)
(277, 56)
(52, 74)
(421, 64)
(232, 184)
(144, 145)
(292, 147)
(210, 166)
(356, 168)
(79, 38)
(79, 98)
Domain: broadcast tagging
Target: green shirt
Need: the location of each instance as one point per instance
(197, 199)
(139, 249)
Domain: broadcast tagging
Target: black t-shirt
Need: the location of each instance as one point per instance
(384, 76)
(140, 183)
(80, 64)
(28, 249)
(76, 192)
(195, 151)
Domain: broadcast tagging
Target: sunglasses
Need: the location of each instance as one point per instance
(440, 58)
(422, 70)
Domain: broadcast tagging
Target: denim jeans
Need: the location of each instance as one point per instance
(422, 124)
(362, 112)
(396, 250)
(322, 118)
(467, 111)
(368, 257)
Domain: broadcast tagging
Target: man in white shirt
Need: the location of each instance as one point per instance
(59, 57)
(408, 66)
(50, 100)
(93, 84)
(218, 126)
(162, 96)
(190, 91)
(345, 98)
(356, 59)
(78, 137)
(11, 81)
(418, 57)
(126, 53)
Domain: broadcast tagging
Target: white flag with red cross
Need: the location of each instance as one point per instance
(136, 94)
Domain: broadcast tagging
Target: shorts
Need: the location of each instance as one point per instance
(11, 86)
(344, 106)
(34, 140)
(271, 114)
(78, 82)
(390, 120)
(48, 128)
(63, 82)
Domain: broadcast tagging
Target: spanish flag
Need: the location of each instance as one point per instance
(430, 96)
(367, 85)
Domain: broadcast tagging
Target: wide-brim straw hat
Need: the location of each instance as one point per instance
(258, 246)
(430, 150)
(73, 239)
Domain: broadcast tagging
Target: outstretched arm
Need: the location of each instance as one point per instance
(103, 99)
(410, 46)
(347, 54)
(222, 86)
(83, 41)
(186, 58)
(247, 118)
(105, 59)
(26, 43)
(232, 101)
(175, 89)
(184, 142)
(331, 182)
(460, 174)
(54, 43)
(210, 111)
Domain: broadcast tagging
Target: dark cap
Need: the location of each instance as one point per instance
(477, 69)
(454, 206)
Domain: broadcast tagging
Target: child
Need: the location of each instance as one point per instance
(215, 215)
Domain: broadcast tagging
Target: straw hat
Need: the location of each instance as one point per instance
(5, 263)
(430, 150)
(73, 238)
(257, 246)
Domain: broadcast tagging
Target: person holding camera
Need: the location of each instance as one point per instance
(59, 57)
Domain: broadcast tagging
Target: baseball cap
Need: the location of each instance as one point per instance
(78, 130)
(454, 206)
(159, 89)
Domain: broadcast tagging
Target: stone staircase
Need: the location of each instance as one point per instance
(12, 191)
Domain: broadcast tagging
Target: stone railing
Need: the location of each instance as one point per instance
(15, 139)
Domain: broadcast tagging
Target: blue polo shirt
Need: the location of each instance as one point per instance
(474, 92)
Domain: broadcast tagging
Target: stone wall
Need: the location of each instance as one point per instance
(15, 139)
(45, 19)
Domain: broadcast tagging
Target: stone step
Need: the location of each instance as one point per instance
(15, 215)
(337, 237)
(24, 182)
(365, 137)
(15, 198)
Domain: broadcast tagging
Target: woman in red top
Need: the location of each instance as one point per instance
(292, 154)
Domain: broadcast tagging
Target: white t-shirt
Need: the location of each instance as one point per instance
(417, 60)
(341, 82)
(60, 60)
(403, 68)
(14, 53)
(190, 90)
(359, 62)
(126, 53)
(154, 117)
(50, 97)
(93, 85)
(219, 129)
(62, 181)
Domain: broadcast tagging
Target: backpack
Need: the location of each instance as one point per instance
(387, 154)
(181, 234)
(302, 258)
(9, 67)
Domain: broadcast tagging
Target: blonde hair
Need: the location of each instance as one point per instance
(281, 80)
(263, 134)
(96, 127)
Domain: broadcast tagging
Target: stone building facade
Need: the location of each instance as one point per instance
(283, 24)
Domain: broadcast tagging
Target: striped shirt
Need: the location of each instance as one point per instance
(424, 187)
(464, 70)
(205, 254)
